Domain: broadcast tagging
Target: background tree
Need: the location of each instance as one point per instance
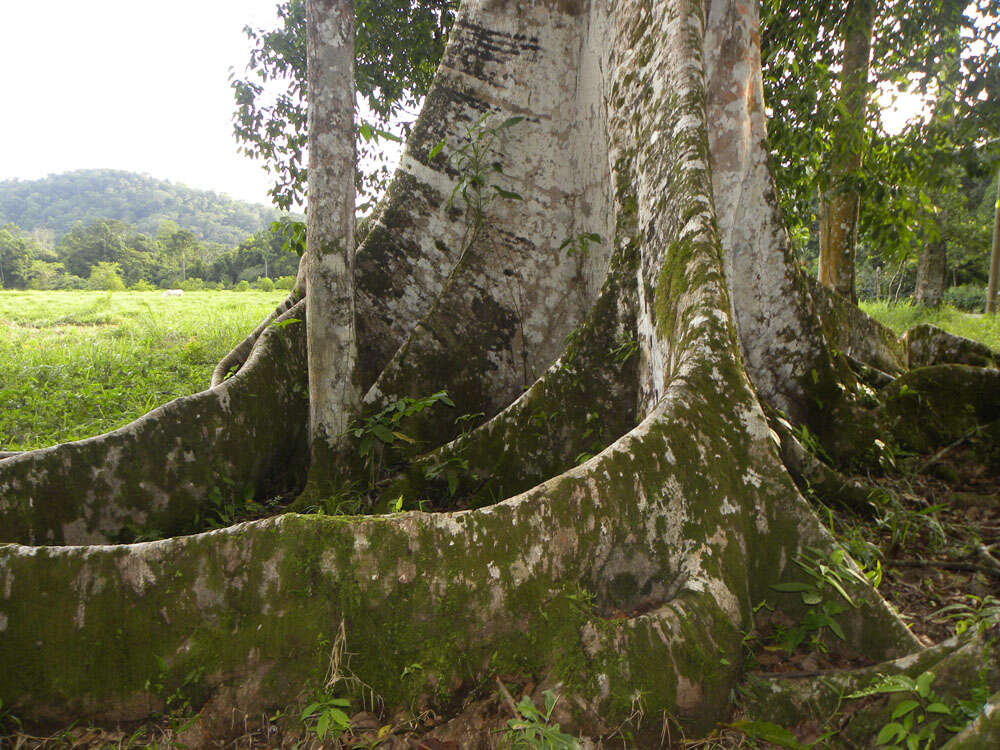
(910, 42)
(397, 47)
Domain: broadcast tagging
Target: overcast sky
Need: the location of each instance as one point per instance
(127, 84)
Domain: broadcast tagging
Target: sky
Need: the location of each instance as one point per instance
(127, 84)
(134, 85)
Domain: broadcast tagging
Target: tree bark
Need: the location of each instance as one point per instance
(622, 518)
(334, 390)
(991, 293)
(932, 274)
(840, 203)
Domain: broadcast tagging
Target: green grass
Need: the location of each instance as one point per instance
(75, 364)
(982, 328)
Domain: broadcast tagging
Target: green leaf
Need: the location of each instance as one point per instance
(510, 122)
(836, 629)
(436, 150)
(323, 725)
(904, 708)
(383, 433)
(938, 708)
(891, 732)
(811, 597)
(924, 684)
(768, 732)
(508, 194)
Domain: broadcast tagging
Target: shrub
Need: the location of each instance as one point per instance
(105, 276)
(142, 286)
(242, 286)
(284, 282)
(193, 284)
(968, 297)
(264, 284)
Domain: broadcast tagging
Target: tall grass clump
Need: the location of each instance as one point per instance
(78, 363)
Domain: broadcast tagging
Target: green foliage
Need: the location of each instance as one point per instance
(397, 47)
(916, 717)
(826, 578)
(985, 328)
(77, 364)
(326, 717)
(105, 276)
(907, 178)
(58, 202)
(966, 297)
(264, 284)
(765, 731)
(903, 521)
(9, 722)
(972, 612)
(479, 169)
(292, 233)
(625, 347)
(580, 244)
(533, 729)
(377, 431)
(456, 465)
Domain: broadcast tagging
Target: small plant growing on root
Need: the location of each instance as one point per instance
(534, 729)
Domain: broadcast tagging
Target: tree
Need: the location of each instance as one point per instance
(840, 204)
(16, 254)
(177, 243)
(608, 530)
(398, 47)
(991, 292)
(334, 392)
(105, 276)
(913, 45)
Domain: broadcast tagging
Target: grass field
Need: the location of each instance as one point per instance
(75, 364)
(982, 328)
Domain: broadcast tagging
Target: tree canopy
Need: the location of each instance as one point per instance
(57, 202)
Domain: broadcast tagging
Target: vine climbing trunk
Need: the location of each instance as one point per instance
(840, 203)
(334, 391)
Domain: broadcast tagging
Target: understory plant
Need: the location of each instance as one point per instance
(920, 712)
(533, 728)
(823, 592)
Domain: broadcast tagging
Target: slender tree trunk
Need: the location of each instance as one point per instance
(932, 274)
(334, 394)
(932, 265)
(839, 209)
(991, 295)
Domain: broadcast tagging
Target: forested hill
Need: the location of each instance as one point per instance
(57, 202)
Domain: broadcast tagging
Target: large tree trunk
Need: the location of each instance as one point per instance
(932, 274)
(625, 514)
(840, 203)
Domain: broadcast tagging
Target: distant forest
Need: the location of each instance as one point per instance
(58, 202)
(102, 229)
